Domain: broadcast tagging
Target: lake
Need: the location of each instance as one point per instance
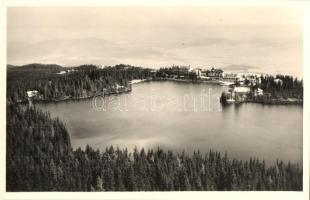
(183, 116)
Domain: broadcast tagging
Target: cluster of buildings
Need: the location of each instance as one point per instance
(183, 72)
(239, 94)
(245, 88)
(241, 86)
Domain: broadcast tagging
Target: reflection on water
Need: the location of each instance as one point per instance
(183, 116)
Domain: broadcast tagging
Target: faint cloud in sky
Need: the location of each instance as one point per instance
(267, 37)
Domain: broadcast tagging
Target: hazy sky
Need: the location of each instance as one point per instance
(234, 38)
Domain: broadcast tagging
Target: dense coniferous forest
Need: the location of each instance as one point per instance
(40, 158)
(282, 86)
(78, 82)
(278, 90)
(88, 80)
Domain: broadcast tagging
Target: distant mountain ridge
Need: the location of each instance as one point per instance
(52, 68)
(11, 66)
(57, 68)
(36, 67)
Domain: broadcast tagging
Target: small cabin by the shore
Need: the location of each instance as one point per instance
(61, 72)
(258, 92)
(32, 93)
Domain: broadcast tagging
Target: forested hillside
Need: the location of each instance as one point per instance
(40, 158)
(51, 68)
(78, 82)
(282, 86)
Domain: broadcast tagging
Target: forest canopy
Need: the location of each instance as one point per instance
(39, 155)
(76, 82)
(40, 158)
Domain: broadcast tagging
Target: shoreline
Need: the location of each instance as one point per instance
(68, 98)
(189, 80)
(268, 102)
(137, 81)
(275, 102)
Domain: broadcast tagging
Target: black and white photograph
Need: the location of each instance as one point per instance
(154, 99)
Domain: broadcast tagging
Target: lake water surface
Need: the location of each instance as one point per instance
(183, 116)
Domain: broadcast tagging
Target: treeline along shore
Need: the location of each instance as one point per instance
(40, 158)
(39, 155)
(278, 90)
(57, 83)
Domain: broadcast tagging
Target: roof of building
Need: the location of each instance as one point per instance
(194, 69)
(230, 75)
(32, 93)
(61, 72)
(277, 80)
(215, 70)
(242, 89)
